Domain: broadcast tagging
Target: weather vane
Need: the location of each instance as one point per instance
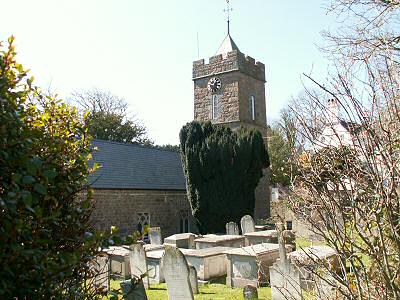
(228, 13)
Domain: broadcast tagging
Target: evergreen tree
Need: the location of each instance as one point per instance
(222, 169)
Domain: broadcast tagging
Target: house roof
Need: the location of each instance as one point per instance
(351, 127)
(227, 45)
(130, 166)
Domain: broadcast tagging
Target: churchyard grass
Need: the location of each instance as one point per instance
(213, 291)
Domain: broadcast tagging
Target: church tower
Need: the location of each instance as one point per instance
(230, 90)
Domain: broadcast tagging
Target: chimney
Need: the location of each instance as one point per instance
(332, 111)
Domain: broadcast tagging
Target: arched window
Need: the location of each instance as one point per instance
(214, 106)
(184, 222)
(252, 107)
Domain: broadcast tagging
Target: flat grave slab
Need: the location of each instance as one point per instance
(209, 262)
(213, 240)
(153, 259)
(119, 261)
(250, 265)
(259, 237)
(181, 240)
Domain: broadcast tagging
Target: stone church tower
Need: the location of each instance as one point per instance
(230, 90)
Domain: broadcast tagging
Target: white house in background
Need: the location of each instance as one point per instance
(336, 131)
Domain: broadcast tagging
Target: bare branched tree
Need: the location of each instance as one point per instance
(349, 177)
(110, 118)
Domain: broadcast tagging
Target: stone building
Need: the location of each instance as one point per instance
(138, 186)
(230, 90)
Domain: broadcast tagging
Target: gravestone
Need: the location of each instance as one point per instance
(176, 273)
(250, 265)
(232, 228)
(181, 240)
(101, 268)
(138, 265)
(132, 291)
(285, 276)
(209, 262)
(193, 279)
(214, 240)
(247, 224)
(250, 292)
(119, 261)
(155, 235)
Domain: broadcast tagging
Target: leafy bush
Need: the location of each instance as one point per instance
(45, 241)
(222, 169)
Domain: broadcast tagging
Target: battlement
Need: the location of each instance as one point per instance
(234, 61)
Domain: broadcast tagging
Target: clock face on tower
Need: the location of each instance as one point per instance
(214, 84)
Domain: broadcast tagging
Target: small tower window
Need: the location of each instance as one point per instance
(214, 106)
(252, 107)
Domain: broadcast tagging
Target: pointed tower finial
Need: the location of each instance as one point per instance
(228, 14)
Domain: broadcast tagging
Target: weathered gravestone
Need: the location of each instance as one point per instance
(193, 279)
(181, 240)
(232, 228)
(247, 224)
(155, 235)
(132, 290)
(176, 272)
(101, 269)
(214, 240)
(209, 262)
(138, 265)
(284, 276)
(259, 237)
(250, 292)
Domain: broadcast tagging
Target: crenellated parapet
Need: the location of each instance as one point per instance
(234, 61)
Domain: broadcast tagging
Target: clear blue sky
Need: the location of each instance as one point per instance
(143, 50)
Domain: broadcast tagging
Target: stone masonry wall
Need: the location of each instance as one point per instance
(120, 208)
(234, 61)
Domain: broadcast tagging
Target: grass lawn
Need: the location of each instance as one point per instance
(213, 291)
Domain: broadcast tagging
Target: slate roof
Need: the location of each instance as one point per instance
(227, 45)
(129, 166)
(351, 127)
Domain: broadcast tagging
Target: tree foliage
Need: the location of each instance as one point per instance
(45, 241)
(109, 117)
(222, 169)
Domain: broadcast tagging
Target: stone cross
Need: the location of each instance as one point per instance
(284, 276)
(193, 279)
(155, 235)
(247, 224)
(138, 265)
(176, 272)
(101, 267)
(232, 228)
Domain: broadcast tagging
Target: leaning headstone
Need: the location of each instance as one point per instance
(250, 292)
(193, 279)
(176, 272)
(247, 224)
(101, 269)
(155, 235)
(232, 228)
(138, 265)
(132, 290)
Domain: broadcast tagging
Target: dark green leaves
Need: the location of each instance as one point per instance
(222, 169)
